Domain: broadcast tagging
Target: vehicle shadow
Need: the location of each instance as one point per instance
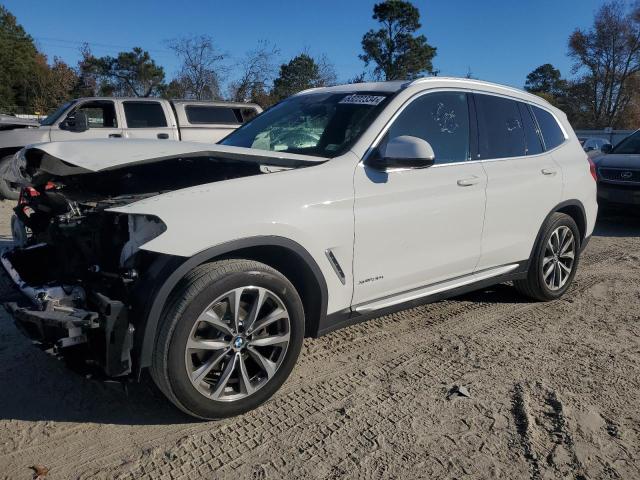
(502, 293)
(617, 223)
(34, 386)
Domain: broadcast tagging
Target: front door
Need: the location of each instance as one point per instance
(416, 227)
(102, 122)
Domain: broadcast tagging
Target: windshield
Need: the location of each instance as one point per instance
(630, 145)
(318, 124)
(51, 119)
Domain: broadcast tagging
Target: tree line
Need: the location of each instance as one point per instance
(605, 88)
(602, 91)
(30, 83)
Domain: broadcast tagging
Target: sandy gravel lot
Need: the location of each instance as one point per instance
(555, 393)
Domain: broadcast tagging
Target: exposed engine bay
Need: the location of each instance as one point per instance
(77, 262)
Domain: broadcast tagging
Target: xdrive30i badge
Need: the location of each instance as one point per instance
(371, 279)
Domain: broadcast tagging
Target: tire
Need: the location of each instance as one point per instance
(251, 363)
(539, 283)
(7, 190)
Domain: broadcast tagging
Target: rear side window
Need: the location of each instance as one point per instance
(551, 131)
(531, 135)
(144, 115)
(499, 127)
(211, 114)
(442, 119)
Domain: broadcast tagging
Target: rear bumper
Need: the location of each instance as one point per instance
(102, 326)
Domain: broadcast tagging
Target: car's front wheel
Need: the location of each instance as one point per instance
(229, 338)
(554, 261)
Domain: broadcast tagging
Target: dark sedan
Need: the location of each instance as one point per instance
(618, 172)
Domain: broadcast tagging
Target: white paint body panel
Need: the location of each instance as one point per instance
(414, 229)
(519, 197)
(312, 206)
(114, 153)
(415, 225)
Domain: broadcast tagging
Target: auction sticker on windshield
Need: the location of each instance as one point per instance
(363, 99)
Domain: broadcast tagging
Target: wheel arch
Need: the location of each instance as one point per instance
(281, 253)
(575, 209)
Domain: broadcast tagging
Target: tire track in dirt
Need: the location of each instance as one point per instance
(450, 317)
(546, 439)
(522, 315)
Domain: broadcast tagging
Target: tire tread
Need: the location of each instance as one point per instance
(184, 292)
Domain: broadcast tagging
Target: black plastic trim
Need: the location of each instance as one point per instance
(560, 206)
(347, 317)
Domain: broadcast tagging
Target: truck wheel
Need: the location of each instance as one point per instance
(554, 261)
(8, 190)
(230, 335)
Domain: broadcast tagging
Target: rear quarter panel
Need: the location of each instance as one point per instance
(578, 184)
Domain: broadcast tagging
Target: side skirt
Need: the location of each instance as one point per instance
(347, 317)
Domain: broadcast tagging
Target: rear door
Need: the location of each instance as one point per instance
(524, 181)
(148, 119)
(102, 117)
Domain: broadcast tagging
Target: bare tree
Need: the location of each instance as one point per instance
(326, 72)
(202, 70)
(608, 56)
(258, 69)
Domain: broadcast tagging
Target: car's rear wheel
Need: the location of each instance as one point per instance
(553, 264)
(230, 336)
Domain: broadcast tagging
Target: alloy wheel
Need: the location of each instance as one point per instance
(238, 343)
(559, 258)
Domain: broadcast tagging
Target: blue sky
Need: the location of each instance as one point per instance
(499, 41)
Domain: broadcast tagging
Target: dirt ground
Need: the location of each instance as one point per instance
(554, 393)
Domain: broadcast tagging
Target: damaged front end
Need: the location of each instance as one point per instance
(76, 269)
(79, 265)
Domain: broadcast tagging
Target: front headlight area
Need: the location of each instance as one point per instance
(142, 229)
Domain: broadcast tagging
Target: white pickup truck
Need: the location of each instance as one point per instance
(142, 118)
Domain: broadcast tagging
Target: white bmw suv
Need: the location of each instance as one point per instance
(208, 265)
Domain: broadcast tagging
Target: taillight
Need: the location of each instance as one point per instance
(592, 169)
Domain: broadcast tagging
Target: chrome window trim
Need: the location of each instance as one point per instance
(417, 95)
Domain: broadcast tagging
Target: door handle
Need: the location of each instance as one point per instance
(115, 135)
(469, 181)
(163, 136)
(548, 171)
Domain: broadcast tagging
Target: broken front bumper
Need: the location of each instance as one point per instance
(103, 327)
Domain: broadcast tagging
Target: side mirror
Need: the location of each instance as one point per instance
(589, 148)
(76, 122)
(606, 148)
(403, 152)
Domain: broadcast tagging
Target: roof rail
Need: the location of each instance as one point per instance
(477, 82)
